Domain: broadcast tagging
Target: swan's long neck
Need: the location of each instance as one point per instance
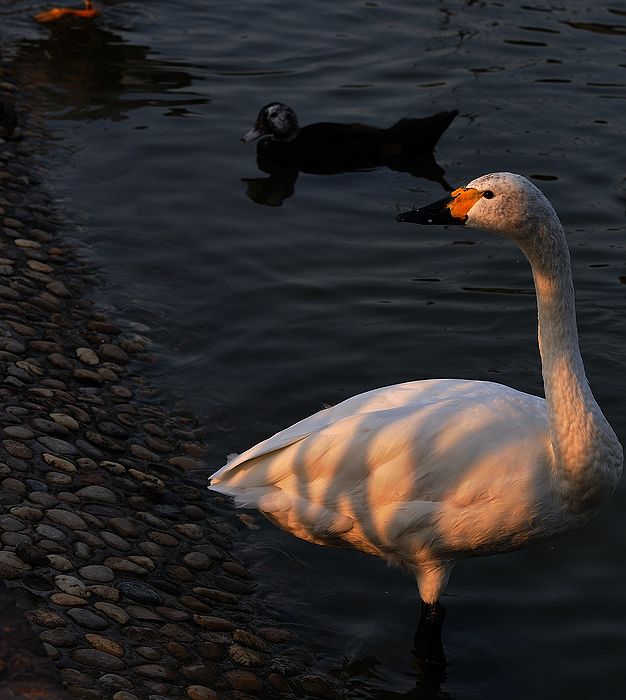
(587, 457)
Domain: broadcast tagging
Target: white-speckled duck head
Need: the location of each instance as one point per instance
(506, 204)
(276, 120)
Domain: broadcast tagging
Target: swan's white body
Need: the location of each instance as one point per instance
(427, 472)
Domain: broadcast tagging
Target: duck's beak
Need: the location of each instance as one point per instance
(452, 209)
(251, 135)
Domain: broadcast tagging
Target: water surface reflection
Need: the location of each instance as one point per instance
(281, 183)
(88, 72)
(263, 314)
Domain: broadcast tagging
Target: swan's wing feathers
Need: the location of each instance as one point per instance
(293, 458)
(409, 442)
(376, 400)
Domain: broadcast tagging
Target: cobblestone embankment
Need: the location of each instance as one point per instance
(110, 543)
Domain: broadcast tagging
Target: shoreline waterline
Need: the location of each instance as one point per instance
(119, 558)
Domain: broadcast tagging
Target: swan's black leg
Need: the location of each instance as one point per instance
(428, 644)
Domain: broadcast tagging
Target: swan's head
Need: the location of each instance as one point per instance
(506, 204)
(276, 120)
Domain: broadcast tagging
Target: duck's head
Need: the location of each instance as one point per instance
(276, 120)
(506, 204)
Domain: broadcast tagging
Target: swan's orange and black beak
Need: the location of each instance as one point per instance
(452, 209)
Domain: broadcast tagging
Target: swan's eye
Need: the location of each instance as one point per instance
(488, 194)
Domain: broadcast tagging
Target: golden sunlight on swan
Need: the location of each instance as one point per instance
(428, 472)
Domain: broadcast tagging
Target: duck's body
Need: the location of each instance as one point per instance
(428, 472)
(326, 146)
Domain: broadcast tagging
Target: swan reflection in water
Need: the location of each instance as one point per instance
(362, 676)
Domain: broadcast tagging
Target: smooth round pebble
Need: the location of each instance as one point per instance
(12, 484)
(60, 563)
(18, 432)
(57, 462)
(113, 612)
(87, 619)
(98, 659)
(115, 541)
(82, 550)
(213, 623)
(112, 680)
(197, 560)
(51, 652)
(43, 499)
(87, 356)
(13, 539)
(155, 672)
(65, 420)
(96, 572)
(66, 600)
(58, 445)
(123, 527)
(138, 612)
(163, 538)
(125, 566)
(60, 637)
(71, 585)
(58, 479)
(97, 493)
(27, 513)
(190, 530)
(244, 657)
(17, 449)
(149, 653)
(139, 592)
(144, 562)
(101, 643)
(11, 566)
(8, 523)
(200, 692)
(64, 517)
(245, 681)
(45, 618)
(110, 594)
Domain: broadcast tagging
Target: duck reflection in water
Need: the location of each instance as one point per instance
(327, 148)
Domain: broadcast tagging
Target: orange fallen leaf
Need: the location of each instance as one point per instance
(57, 12)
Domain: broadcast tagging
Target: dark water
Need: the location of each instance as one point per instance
(260, 314)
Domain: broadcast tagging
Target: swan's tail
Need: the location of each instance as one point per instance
(214, 479)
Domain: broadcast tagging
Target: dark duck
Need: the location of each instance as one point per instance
(331, 146)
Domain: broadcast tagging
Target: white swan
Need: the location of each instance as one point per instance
(428, 472)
